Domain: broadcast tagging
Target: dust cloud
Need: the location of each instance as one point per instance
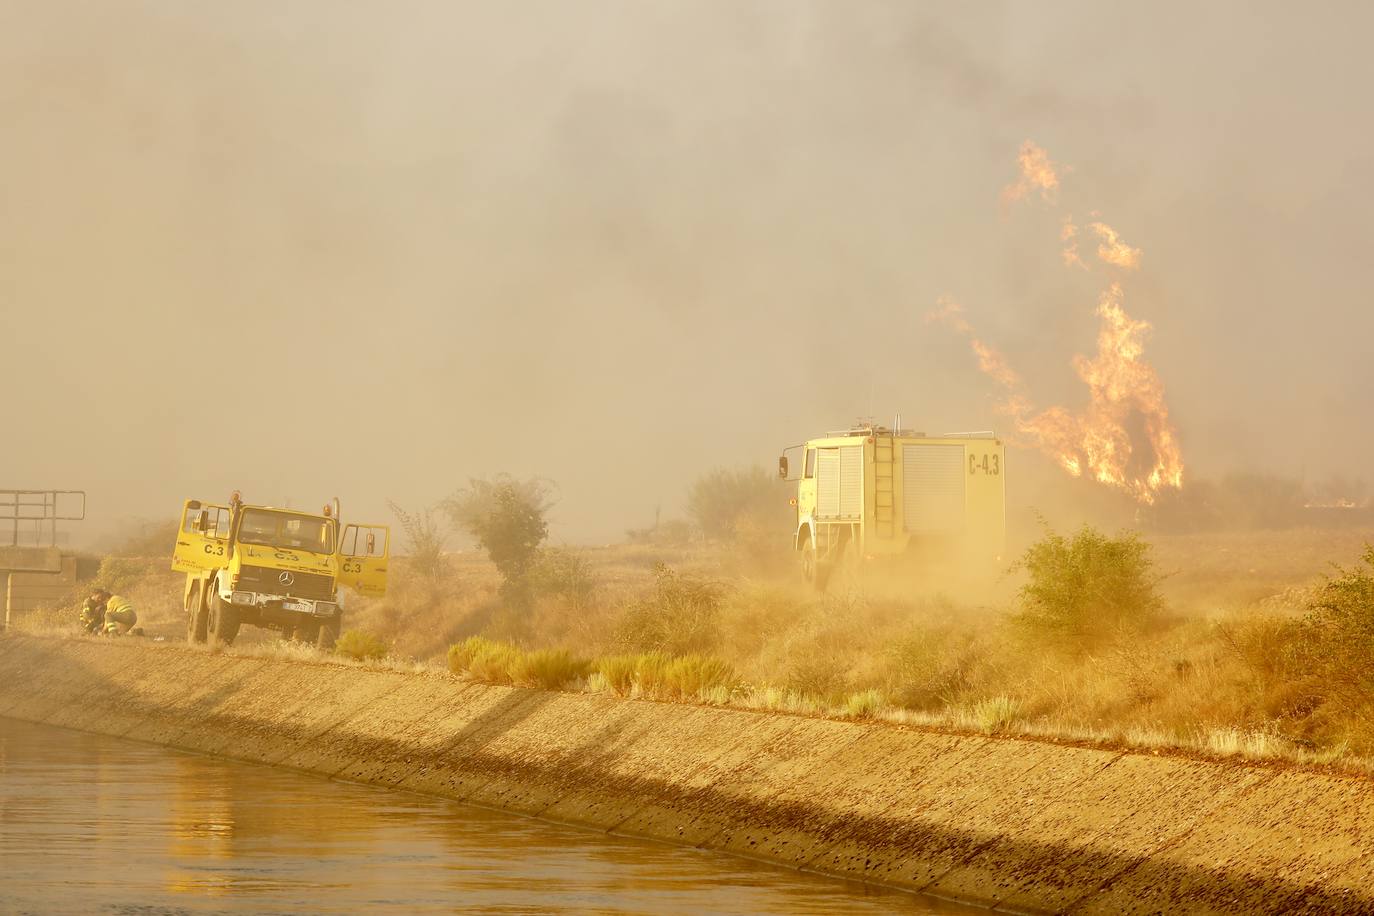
(372, 249)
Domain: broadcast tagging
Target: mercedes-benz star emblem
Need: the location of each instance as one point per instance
(286, 578)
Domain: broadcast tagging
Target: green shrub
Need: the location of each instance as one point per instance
(1089, 588)
(120, 574)
(1345, 605)
(360, 645)
(1330, 657)
(551, 669)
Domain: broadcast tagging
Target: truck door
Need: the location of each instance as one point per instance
(363, 554)
(202, 537)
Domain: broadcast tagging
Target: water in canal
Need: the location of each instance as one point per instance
(96, 824)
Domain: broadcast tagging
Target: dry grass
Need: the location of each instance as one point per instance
(1215, 674)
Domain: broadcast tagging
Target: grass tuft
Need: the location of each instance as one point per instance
(995, 714)
(360, 646)
(866, 704)
(551, 669)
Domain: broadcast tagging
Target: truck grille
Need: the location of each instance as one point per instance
(306, 585)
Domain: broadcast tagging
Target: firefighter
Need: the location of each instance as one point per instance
(93, 612)
(109, 614)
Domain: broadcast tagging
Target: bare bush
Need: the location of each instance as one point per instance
(565, 574)
(424, 540)
(724, 501)
(929, 668)
(680, 615)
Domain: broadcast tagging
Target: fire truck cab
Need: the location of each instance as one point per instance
(275, 568)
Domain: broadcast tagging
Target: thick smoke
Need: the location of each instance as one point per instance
(372, 249)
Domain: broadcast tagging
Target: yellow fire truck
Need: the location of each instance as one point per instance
(870, 491)
(274, 568)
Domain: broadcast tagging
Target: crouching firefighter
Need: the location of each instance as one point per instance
(107, 614)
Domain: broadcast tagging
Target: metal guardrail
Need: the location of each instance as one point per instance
(28, 518)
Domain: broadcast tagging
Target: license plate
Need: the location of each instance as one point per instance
(297, 606)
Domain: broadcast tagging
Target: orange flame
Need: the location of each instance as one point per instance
(990, 361)
(1037, 173)
(1123, 437)
(1113, 250)
(1068, 234)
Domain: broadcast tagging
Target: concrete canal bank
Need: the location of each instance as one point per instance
(1023, 825)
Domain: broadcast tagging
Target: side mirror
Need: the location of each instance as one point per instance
(782, 468)
(203, 522)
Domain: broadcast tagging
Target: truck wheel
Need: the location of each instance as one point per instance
(223, 623)
(329, 634)
(197, 617)
(308, 633)
(812, 570)
(823, 570)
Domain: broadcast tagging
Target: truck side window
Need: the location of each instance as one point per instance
(810, 463)
(217, 518)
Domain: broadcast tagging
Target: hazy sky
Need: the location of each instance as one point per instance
(372, 249)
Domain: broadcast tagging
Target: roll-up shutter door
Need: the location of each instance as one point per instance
(840, 482)
(933, 488)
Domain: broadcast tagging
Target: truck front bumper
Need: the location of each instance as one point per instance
(285, 603)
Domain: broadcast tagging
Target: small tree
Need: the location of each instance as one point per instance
(1085, 589)
(507, 518)
(424, 540)
(723, 502)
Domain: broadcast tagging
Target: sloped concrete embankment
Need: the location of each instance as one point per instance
(1024, 825)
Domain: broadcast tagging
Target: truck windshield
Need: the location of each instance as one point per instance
(284, 529)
